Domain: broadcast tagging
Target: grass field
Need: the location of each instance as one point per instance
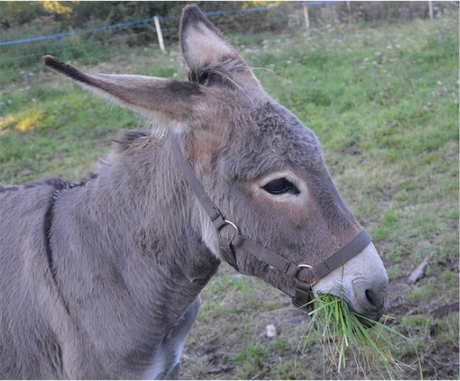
(383, 102)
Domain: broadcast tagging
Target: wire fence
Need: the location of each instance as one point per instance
(20, 57)
(143, 21)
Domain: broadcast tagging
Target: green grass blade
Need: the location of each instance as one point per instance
(343, 334)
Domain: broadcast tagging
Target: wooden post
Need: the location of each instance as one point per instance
(430, 9)
(156, 20)
(307, 20)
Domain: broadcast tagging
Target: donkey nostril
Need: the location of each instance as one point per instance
(376, 298)
(369, 299)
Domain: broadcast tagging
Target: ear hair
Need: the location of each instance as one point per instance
(172, 104)
(191, 15)
(63, 68)
(203, 46)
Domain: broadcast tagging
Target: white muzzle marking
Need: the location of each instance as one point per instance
(361, 282)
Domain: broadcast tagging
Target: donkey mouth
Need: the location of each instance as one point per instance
(367, 318)
(366, 305)
(368, 321)
(361, 283)
(366, 311)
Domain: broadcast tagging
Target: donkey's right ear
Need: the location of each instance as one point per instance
(156, 98)
(203, 46)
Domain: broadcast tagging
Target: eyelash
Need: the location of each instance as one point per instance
(280, 186)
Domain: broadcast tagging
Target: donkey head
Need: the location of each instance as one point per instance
(257, 162)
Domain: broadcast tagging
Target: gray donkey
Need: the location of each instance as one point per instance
(100, 278)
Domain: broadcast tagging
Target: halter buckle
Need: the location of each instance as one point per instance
(305, 266)
(303, 296)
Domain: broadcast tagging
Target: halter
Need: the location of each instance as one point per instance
(303, 294)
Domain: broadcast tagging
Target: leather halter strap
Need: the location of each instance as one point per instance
(303, 291)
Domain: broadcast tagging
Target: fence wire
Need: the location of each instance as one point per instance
(20, 56)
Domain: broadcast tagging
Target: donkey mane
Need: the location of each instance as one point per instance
(134, 139)
(54, 182)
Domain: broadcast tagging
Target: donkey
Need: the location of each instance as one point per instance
(101, 278)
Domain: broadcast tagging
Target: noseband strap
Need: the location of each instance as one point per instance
(350, 250)
(303, 291)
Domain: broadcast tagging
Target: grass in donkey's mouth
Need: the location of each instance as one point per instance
(348, 336)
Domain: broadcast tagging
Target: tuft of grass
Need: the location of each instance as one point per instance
(346, 335)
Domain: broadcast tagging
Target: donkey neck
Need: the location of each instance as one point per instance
(137, 249)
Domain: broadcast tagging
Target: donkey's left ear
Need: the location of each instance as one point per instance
(203, 46)
(161, 99)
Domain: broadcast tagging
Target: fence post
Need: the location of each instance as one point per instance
(430, 8)
(307, 20)
(156, 20)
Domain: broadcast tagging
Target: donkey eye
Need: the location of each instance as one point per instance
(280, 186)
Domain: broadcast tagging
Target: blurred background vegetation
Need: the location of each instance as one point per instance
(59, 15)
(78, 20)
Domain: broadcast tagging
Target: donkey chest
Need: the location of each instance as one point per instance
(165, 361)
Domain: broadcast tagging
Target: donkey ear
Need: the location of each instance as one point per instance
(203, 46)
(148, 96)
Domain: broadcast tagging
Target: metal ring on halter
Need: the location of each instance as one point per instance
(303, 265)
(232, 225)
